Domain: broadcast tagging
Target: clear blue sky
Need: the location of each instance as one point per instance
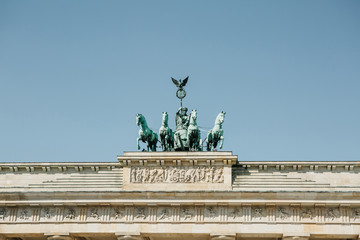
(73, 75)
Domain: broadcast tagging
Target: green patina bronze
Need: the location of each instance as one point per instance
(180, 93)
(216, 134)
(193, 134)
(166, 134)
(146, 134)
(187, 135)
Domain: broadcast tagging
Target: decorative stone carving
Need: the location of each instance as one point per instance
(307, 213)
(70, 214)
(47, 214)
(211, 212)
(332, 214)
(140, 213)
(234, 213)
(205, 174)
(118, 213)
(94, 214)
(355, 214)
(24, 214)
(3, 212)
(190, 213)
(164, 214)
(258, 213)
(283, 214)
(187, 213)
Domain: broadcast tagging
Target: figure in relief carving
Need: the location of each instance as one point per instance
(236, 213)
(177, 175)
(24, 214)
(133, 176)
(218, 175)
(209, 174)
(308, 214)
(212, 212)
(356, 214)
(140, 213)
(187, 213)
(258, 213)
(283, 214)
(70, 213)
(94, 213)
(118, 213)
(139, 173)
(165, 214)
(331, 213)
(3, 212)
(47, 213)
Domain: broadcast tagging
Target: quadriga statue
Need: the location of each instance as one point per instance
(146, 134)
(216, 134)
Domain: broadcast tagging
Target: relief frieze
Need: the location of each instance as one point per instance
(204, 174)
(185, 214)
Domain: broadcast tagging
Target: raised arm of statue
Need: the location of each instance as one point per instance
(178, 111)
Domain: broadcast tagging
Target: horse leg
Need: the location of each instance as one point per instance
(208, 141)
(222, 142)
(163, 142)
(138, 143)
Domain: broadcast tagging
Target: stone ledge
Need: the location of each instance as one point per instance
(177, 159)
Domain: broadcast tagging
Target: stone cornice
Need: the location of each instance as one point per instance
(57, 166)
(177, 159)
(300, 165)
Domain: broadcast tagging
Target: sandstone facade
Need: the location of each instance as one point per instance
(180, 195)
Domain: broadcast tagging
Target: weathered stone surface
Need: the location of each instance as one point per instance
(247, 200)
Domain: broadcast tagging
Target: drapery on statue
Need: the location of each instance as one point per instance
(146, 134)
(216, 134)
(166, 134)
(180, 135)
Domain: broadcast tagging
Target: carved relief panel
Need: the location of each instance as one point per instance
(187, 214)
(258, 213)
(332, 214)
(164, 214)
(234, 214)
(141, 214)
(283, 214)
(204, 174)
(24, 214)
(307, 214)
(117, 214)
(71, 214)
(211, 214)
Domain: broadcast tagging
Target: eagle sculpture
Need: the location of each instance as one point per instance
(180, 83)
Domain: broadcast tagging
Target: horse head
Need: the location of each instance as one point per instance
(193, 114)
(139, 119)
(165, 117)
(220, 118)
